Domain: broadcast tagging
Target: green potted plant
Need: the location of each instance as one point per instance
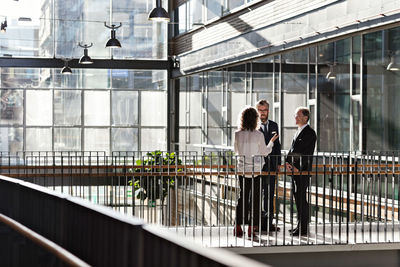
(154, 187)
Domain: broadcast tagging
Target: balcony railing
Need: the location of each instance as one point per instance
(353, 198)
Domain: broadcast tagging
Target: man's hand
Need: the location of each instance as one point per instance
(291, 168)
(274, 137)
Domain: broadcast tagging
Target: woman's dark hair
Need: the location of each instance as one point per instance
(248, 119)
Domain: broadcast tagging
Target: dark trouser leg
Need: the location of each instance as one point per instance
(269, 193)
(244, 195)
(254, 183)
(300, 196)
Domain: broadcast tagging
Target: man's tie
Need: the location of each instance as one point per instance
(264, 129)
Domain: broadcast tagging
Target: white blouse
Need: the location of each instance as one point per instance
(249, 144)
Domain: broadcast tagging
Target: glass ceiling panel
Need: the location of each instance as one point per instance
(53, 28)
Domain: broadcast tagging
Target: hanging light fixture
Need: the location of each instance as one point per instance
(85, 59)
(393, 65)
(3, 26)
(331, 74)
(113, 42)
(66, 69)
(158, 13)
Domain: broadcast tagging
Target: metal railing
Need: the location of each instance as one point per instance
(98, 235)
(352, 198)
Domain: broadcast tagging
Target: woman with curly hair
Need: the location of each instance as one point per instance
(251, 149)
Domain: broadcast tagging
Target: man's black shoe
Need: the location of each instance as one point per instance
(274, 228)
(297, 232)
(294, 229)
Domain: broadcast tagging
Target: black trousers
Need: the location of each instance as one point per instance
(269, 192)
(250, 195)
(299, 191)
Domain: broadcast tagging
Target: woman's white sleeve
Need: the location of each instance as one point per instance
(265, 149)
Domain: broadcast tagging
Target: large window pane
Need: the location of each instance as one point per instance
(38, 139)
(11, 139)
(294, 90)
(124, 139)
(12, 107)
(21, 38)
(381, 90)
(356, 109)
(139, 79)
(97, 140)
(153, 109)
(97, 108)
(214, 8)
(334, 96)
(153, 139)
(67, 107)
(139, 37)
(39, 108)
(67, 139)
(214, 98)
(263, 79)
(124, 108)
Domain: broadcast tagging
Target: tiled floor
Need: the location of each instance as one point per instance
(320, 234)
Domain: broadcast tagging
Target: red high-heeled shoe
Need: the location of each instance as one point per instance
(238, 231)
(252, 231)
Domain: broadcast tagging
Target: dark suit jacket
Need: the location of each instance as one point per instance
(275, 158)
(302, 149)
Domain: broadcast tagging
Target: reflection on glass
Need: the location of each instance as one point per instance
(38, 139)
(67, 107)
(232, 4)
(263, 79)
(334, 96)
(312, 69)
(182, 18)
(356, 64)
(382, 94)
(124, 108)
(11, 107)
(67, 139)
(139, 79)
(214, 136)
(124, 139)
(97, 108)
(214, 8)
(312, 117)
(294, 90)
(356, 109)
(276, 116)
(214, 98)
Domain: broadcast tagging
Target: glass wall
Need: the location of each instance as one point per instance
(97, 110)
(192, 14)
(381, 90)
(47, 28)
(349, 114)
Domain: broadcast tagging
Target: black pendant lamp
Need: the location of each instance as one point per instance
(393, 65)
(113, 42)
(3, 26)
(85, 59)
(158, 13)
(331, 74)
(66, 70)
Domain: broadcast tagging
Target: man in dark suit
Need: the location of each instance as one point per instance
(269, 128)
(300, 158)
